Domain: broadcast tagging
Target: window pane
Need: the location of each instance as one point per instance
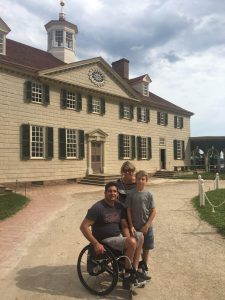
(127, 146)
(143, 114)
(71, 143)
(144, 148)
(37, 141)
(71, 101)
(36, 91)
(96, 105)
(179, 149)
(59, 38)
(69, 40)
(126, 112)
(1, 43)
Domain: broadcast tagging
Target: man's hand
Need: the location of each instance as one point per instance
(99, 248)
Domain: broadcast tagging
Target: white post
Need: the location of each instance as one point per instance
(199, 184)
(202, 195)
(217, 181)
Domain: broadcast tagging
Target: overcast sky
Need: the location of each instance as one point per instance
(179, 43)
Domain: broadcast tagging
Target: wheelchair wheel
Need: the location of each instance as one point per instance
(97, 273)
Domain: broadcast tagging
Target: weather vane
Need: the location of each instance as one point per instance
(62, 14)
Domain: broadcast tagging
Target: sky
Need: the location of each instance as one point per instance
(180, 44)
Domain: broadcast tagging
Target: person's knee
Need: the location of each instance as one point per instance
(131, 243)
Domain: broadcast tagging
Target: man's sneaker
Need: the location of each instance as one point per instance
(143, 276)
(132, 281)
(142, 265)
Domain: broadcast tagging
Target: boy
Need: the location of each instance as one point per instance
(141, 212)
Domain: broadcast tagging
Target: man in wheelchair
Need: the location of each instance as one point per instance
(108, 221)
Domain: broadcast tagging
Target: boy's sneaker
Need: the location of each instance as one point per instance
(132, 281)
(143, 276)
(142, 265)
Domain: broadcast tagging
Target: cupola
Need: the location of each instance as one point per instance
(62, 37)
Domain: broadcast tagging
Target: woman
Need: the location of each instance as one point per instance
(127, 182)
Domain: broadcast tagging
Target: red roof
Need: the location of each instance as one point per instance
(29, 57)
(137, 79)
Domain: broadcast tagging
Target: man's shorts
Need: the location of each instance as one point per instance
(149, 240)
(118, 242)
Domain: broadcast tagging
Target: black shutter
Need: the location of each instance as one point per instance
(138, 114)
(46, 98)
(28, 91)
(63, 99)
(79, 102)
(62, 143)
(49, 142)
(121, 110)
(131, 112)
(120, 146)
(175, 121)
(102, 106)
(175, 149)
(166, 119)
(139, 147)
(81, 144)
(133, 148)
(183, 150)
(25, 139)
(158, 117)
(182, 123)
(149, 144)
(148, 115)
(89, 106)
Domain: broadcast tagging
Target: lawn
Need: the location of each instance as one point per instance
(205, 176)
(217, 218)
(10, 204)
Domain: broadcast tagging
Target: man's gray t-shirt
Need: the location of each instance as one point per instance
(141, 205)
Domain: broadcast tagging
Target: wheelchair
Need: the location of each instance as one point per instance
(100, 273)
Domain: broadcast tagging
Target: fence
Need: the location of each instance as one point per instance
(203, 196)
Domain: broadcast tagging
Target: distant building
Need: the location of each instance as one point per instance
(63, 119)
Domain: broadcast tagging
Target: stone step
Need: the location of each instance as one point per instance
(99, 179)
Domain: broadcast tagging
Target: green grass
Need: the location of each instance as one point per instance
(205, 176)
(10, 204)
(217, 218)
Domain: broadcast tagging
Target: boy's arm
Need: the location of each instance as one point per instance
(132, 229)
(148, 224)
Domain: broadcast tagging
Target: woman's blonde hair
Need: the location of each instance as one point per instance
(127, 165)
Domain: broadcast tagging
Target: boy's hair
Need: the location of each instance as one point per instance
(142, 173)
(127, 166)
(109, 184)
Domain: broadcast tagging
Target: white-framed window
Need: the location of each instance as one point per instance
(36, 92)
(179, 151)
(162, 118)
(144, 148)
(127, 146)
(59, 38)
(37, 142)
(178, 122)
(69, 40)
(96, 106)
(126, 111)
(162, 141)
(145, 89)
(71, 143)
(1, 43)
(143, 114)
(71, 100)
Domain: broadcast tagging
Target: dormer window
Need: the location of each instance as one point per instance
(1, 43)
(145, 89)
(59, 38)
(69, 40)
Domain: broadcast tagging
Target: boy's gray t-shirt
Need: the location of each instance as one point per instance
(141, 204)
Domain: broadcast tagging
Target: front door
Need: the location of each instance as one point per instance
(96, 157)
(163, 159)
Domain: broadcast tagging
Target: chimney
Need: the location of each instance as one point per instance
(121, 67)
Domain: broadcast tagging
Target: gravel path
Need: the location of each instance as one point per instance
(187, 263)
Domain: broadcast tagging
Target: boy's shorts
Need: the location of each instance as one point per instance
(149, 240)
(118, 242)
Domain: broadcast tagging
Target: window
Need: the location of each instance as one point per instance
(37, 92)
(96, 105)
(144, 148)
(162, 118)
(71, 100)
(1, 43)
(126, 111)
(178, 122)
(143, 114)
(126, 146)
(69, 40)
(145, 89)
(37, 142)
(71, 143)
(162, 141)
(59, 38)
(179, 151)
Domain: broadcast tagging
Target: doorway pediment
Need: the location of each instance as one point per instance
(97, 135)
